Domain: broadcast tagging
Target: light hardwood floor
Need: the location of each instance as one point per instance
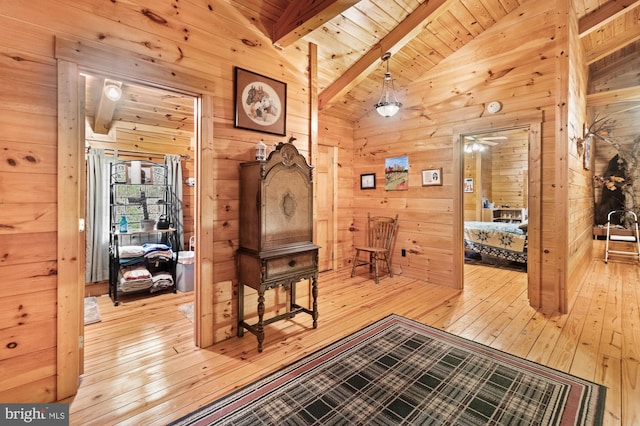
(141, 366)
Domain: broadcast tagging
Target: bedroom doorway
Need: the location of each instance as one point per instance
(495, 198)
(468, 133)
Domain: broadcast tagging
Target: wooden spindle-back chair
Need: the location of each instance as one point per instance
(380, 233)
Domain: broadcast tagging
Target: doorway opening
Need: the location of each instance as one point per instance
(157, 128)
(463, 137)
(73, 58)
(495, 198)
(143, 125)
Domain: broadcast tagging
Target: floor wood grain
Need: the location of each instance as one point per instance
(142, 368)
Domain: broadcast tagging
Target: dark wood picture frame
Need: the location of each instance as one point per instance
(368, 181)
(260, 103)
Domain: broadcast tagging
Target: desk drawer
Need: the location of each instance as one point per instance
(290, 264)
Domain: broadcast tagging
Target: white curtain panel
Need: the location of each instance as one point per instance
(174, 176)
(97, 220)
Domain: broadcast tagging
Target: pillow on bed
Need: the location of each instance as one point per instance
(524, 225)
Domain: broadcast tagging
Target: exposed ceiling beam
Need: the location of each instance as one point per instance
(604, 14)
(613, 96)
(612, 44)
(104, 111)
(303, 16)
(402, 34)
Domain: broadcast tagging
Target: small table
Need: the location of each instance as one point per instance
(283, 266)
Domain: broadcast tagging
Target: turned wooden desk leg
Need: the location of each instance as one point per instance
(314, 293)
(260, 325)
(292, 299)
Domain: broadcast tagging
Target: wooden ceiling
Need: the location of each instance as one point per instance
(145, 106)
(352, 35)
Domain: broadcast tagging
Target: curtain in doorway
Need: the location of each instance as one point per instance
(97, 221)
(174, 176)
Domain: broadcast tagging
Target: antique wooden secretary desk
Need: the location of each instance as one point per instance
(276, 233)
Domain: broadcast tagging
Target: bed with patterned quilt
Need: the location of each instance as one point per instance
(506, 241)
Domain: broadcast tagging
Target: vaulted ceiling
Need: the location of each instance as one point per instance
(352, 35)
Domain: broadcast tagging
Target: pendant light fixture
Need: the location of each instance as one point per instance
(388, 104)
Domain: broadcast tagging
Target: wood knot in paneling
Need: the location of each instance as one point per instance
(154, 17)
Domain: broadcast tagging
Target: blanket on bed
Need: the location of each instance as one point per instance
(503, 236)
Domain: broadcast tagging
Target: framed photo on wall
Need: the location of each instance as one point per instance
(468, 184)
(260, 103)
(368, 181)
(432, 177)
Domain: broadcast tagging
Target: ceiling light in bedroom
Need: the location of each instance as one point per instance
(473, 147)
(112, 91)
(388, 104)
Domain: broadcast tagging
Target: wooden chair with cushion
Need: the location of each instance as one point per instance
(380, 233)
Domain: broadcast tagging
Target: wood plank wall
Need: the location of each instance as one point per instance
(208, 41)
(510, 163)
(515, 62)
(499, 174)
(579, 178)
(475, 164)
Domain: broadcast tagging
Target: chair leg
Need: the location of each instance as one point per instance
(375, 259)
(386, 259)
(355, 263)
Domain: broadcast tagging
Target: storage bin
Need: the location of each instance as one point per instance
(184, 271)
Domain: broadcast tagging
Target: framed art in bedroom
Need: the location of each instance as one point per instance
(260, 103)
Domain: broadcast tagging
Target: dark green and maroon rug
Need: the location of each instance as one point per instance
(399, 372)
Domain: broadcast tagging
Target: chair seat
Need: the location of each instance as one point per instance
(372, 249)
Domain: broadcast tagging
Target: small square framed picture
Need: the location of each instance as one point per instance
(368, 181)
(432, 177)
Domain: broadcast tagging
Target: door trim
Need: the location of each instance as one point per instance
(74, 56)
(533, 123)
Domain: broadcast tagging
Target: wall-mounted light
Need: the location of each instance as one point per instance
(112, 91)
(388, 104)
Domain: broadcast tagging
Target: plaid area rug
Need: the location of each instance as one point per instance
(398, 371)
